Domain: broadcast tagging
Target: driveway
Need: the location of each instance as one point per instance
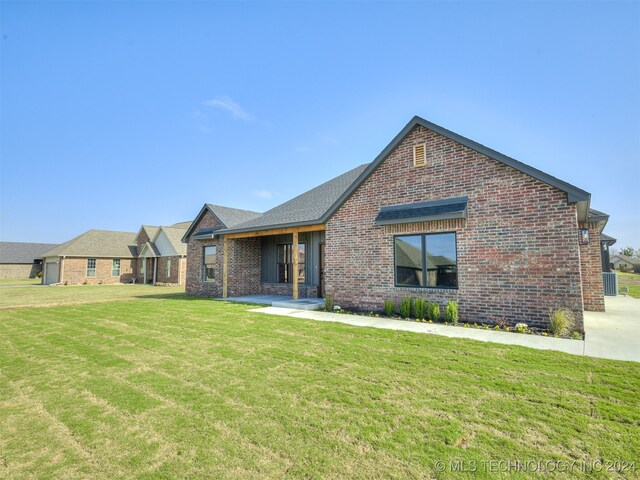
(615, 333)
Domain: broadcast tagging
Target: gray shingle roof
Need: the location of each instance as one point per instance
(232, 216)
(597, 215)
(306, 208)
(97, 243)
(23, 252)
(607, 239)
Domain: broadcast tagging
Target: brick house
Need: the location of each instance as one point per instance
(22, 259)
(161, 254)
(95, 257)
(435, 215)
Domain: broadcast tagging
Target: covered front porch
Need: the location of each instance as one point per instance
(274, 265)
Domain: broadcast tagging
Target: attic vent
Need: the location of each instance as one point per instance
(419, 155)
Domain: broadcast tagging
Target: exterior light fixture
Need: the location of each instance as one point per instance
(584, 236)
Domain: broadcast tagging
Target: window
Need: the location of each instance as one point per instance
(285, 263)
(168, 267)
(115, 267)
(91, 267)
(428, 260)
(141, 269)
(209, 263)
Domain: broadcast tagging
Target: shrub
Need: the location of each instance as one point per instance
(405, 307)
(433, 311)
(419, 308)
(561, 321)
(389, 308)
(328, 303)
(451, 312)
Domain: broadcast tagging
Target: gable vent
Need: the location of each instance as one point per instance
(419, 155)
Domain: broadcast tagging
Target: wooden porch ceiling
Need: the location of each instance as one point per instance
(277, 231)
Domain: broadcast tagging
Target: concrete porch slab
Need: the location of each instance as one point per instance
(281, 301)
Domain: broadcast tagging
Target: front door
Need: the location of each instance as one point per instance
(321, 272)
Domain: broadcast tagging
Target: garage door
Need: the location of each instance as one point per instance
(52, 273)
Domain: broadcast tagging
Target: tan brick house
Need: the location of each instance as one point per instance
(22, 259)
(435, 215)
(95, 257)
(161, 254)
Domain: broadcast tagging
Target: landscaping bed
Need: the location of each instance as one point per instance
(414, 309)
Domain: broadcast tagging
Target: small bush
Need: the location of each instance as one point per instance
(389, 308)
(561, 321)
(328, 303)
(433, 311)
(419, 308)
(576, 336)
(451, 312)
(405, 307)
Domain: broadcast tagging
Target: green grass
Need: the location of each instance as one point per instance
(78, 294)
(176, 387)
(19, 281)
(631, 281)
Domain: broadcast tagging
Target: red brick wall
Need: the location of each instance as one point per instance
(591, 268)
(195, 284)
(175, 276)
(74, 271)
(518, 254)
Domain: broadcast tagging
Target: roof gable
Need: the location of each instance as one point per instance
(168, 241)
(574, 194)
(229, 217)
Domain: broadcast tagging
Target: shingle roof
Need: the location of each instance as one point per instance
(232, 216)
(597, 215)
(307, 208)
(626, 258)
(607, 239)
(23, 252)
(151, 230)
(183, 225)
(97, 243)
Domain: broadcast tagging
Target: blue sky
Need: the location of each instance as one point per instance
(122, 113)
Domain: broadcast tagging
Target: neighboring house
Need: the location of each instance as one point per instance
(161, 254)
(435, 215)
(21, 259)
(625, 263)
(95, 257)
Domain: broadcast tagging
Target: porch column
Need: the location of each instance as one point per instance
(225, 266)
(155, 269)
(295, 265)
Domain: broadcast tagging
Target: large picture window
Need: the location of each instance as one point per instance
(428, 260)
(285, 263)
(209, 263)
(91, 267)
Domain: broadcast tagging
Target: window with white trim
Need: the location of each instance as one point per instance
(168, 267)
(91, 267)
(115, 267)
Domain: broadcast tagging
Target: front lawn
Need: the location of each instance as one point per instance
(45, 295)
(176, 387)
(631, 281)
(19, 281)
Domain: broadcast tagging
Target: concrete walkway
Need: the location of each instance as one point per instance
(614, 334)
(575, 347)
